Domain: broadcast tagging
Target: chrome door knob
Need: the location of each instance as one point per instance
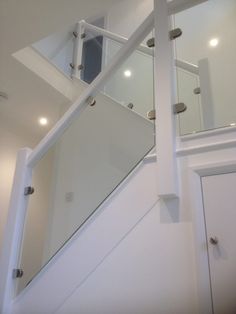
(214, 240)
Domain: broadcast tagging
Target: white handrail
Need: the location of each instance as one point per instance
(80, 104)
(120, 39)
(192, 68)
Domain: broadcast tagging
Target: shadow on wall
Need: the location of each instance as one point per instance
(170, 211)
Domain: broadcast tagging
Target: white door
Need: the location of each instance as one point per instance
(219, 198)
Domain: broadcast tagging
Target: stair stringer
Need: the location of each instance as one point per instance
(91, 245)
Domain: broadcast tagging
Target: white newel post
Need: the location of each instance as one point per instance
(164, 101)
(14, 231)
(78, 48)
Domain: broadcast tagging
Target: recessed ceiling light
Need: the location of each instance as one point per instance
(43, 121)
(214, 42)
(127, 73)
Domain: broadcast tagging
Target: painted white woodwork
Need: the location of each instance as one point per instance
(164, 101)
(80, 104)
(219, 200)
(123, 256)
(14, 231)
(78, 48)
(120, 39)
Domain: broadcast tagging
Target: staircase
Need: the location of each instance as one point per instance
(88, 189)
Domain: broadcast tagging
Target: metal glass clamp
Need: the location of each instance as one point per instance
(91, 101)
(17, 273)
(151, 42)
(179, 108)
(80, 67)
(151, 115)
(197, 91)
(214, 240)
(175, 33)
(72, 66)
(28, 190)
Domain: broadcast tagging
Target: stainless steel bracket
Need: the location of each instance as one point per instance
(17, 273)
(179, 108)
(28, 190)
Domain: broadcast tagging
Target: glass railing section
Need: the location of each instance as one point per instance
(132, 85)
(92, 157)
(189, 121)
(207, 41)
(58, 49)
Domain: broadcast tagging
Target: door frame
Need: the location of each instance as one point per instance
(195, 175)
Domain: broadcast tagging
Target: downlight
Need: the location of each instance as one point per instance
(43, 121)
(213, 42)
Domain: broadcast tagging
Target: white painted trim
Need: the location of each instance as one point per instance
(192, 68)
(202, 262)
(205, 148)
(167, 178)
(199, 236)
(14, 230)
(78, 236)
(150, 158)
(207, 133)
(77, 50)
(80, 104)
(120, 39)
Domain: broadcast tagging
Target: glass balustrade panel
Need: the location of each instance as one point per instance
(93, 156)
(208, 39)
(132, 85)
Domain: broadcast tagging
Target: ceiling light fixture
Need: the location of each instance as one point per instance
(43, 121)
(214, 42)
(127, 73)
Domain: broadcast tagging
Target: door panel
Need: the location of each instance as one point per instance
(219, 197)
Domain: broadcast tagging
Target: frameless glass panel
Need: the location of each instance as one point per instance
(58, 49)
(132, 85)
(188, 92)
(77, 174)
(208, 40)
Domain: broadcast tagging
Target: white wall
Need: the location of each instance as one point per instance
(126, 16)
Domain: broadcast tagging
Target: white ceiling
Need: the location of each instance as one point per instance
(21, 24)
